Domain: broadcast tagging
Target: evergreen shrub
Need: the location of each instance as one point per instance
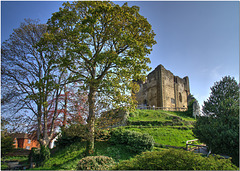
(134, 141)
(95, 163)
(174, 160)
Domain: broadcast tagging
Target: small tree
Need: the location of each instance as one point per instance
(219, 128)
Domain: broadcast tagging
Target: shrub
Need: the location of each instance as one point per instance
(102, 134)
(77, 132)
(134, 114)
(34, 155)
(70, 135)
(95, 163)
(174, 160)
(6, 144)
(134, 141)
(39, 156)
(225, 133)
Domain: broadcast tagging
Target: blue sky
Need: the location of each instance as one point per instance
(195, 39)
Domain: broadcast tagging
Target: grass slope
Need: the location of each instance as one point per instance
(165, 135)
(68, 158)
(158, 115)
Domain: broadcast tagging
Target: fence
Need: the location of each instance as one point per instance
(188, 143)
(162, 108)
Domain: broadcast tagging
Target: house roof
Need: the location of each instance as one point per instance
(20, 135)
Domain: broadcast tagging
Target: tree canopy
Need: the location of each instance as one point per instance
(219, 127)
(31, 81)
(224, 98)
(105, 46)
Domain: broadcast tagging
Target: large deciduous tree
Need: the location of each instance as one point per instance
(30, 78)
(105, 47)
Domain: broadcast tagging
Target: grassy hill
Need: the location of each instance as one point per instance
(68, 158)
(167, 128)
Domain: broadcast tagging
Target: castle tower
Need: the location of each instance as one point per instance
(163, 89)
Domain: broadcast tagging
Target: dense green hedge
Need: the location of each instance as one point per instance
(174, 160)
(134, 141)
(95, 163)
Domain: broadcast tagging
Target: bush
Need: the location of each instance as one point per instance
(77, 133)
(225, 135)
(6, 144)
(102, 134)
(134, 141)
(174, 160)
(39, 156)
(34, 155)
(70, 135)
(134, 114)
(95, 163)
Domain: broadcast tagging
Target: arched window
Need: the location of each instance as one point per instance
(180, 97)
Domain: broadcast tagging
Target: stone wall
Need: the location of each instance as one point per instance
(163, 89)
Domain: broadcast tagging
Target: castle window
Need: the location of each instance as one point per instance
(180, 97)
(172, 100)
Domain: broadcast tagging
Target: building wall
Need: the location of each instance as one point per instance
(25, 143)
(163, 89)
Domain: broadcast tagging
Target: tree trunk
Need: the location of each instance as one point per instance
(39, 127)
(91, 122)
(65, 107)
(45, 139)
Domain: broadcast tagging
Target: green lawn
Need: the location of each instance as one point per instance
(68, 158)
(157, 115)
(167, 135)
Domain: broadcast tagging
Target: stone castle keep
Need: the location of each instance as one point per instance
(163, 89)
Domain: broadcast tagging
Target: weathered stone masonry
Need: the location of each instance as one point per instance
(163, 89)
